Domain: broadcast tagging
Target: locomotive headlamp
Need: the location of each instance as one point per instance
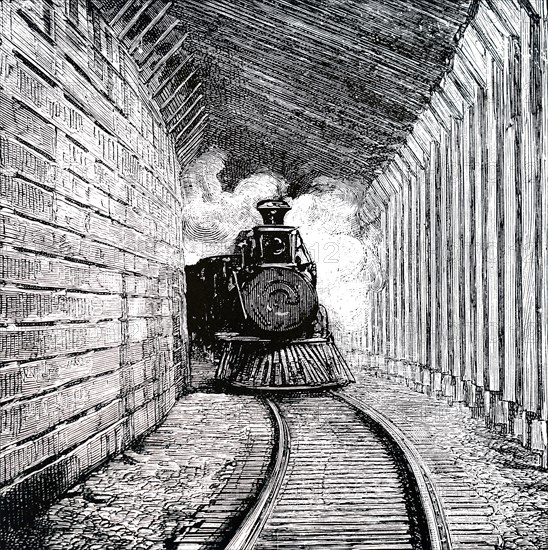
(276, 246)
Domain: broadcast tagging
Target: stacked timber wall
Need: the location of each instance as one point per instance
(464, 313)
(92, 349)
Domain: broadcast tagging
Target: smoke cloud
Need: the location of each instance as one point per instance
(329, 217)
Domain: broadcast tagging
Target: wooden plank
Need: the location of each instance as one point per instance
(20, 343)
(23, 419)
(31, 454)
(34, 236)
(22, 160)
(25, 268)
(26, 198)
(23, 380)
(26, 124)
(18, 306)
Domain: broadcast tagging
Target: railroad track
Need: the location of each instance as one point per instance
(342, 477)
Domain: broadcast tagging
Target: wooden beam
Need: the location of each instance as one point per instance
(135, 18)
(154, 21)
(157, 42)
(180, 108)
(156, 67)
(190, 151)
(179, 88)
(381, 184)
(472, 55)
(544, 240)
(417, 151)
(383, 326)
(200, 110)
(197, 131)
(400, 286)
(121, 12)
(489, 36)
(405, 264)
(414, 301)
(163, 85)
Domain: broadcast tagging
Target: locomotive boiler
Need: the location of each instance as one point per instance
(258, 309)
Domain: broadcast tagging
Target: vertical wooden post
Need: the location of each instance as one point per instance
(435, 271)
(425, 256)
(413, 260)
(405, 263)
(510, 184)
(544, 232)
(444, 251)
(468, 237)
(400, 326)
(391, 305)
(491, 244)
(479, 200)
(456, 260)
(383, 295)
(530, 202)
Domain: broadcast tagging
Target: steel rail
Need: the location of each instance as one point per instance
(249, 530)
(438, 529)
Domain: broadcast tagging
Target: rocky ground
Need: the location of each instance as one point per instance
(496, 466)
(187, 484)
(180, 487)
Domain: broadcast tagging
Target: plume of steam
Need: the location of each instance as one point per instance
(328, 216)
(213, 217)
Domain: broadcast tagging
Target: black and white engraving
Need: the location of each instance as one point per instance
(273, 274)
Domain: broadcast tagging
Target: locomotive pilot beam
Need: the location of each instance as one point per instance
(258, 310)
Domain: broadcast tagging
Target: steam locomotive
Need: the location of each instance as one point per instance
(258, 310)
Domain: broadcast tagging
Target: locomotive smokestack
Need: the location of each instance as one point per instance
(273, 211)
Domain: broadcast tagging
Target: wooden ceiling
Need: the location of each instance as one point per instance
(308, 87)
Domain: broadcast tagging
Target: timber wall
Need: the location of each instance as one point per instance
(464, 313)
(92, 327)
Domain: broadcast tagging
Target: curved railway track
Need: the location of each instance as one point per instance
(342, 477)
